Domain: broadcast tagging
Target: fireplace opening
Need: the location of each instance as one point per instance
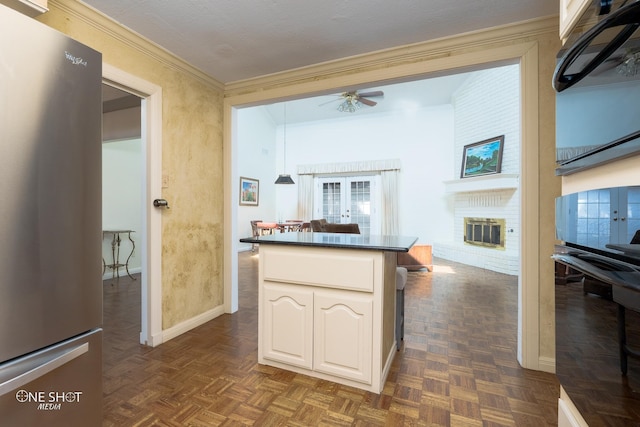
(486, 232)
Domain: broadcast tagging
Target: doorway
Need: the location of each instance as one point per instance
(122, 218)
(149, 240)
(348, 199)
(528, 352)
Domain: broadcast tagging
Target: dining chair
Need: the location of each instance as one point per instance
(306, 226)
(295, 224)
(255, 232)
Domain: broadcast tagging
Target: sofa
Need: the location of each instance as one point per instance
(321, 225)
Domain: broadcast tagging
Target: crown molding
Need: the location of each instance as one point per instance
(412, 53)
(130, 38)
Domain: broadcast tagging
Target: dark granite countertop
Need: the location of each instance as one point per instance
(337, 240)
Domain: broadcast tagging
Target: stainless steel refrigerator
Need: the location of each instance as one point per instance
(50, 227)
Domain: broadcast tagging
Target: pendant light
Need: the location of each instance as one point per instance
(284, 178)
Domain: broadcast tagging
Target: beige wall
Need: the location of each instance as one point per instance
(618, 174)
(191, 158)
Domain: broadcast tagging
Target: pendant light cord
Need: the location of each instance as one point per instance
(284, 178)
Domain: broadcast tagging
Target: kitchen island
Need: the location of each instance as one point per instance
(327, 305)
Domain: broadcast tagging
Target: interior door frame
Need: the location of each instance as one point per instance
(532, 252)
(151, 241)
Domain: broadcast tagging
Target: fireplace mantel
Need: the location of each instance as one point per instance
(483, 183)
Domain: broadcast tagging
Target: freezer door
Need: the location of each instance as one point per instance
(58, 386)
(50, 186)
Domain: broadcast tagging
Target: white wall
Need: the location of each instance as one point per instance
(256, 160)
(422, 140)
(122, 198)
(428, 143)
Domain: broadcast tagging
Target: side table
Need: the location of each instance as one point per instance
(115, 253)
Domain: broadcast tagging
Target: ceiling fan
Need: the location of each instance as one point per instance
(629, 63)
(626, 63)
(352, 100)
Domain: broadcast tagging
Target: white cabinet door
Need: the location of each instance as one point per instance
(28, 7)
(570, 11)
(343, 334)
(288, 325)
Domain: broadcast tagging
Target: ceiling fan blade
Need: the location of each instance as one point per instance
(366, 101)
(329, 102)
(371, 94)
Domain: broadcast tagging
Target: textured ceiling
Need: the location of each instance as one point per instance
(233, 40)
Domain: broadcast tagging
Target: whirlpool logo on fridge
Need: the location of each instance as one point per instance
(49, 401)
(74, 59)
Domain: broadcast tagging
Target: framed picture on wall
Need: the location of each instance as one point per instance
(482, 158)
(249, 191)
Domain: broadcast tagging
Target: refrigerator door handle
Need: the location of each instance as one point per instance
(43, 368)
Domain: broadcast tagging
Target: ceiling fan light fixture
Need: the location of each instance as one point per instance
(349, 105)
(630, 66)
(352, 100)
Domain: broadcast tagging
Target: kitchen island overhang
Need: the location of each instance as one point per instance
(327, 305)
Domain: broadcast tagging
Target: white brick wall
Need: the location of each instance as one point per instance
(488, 105)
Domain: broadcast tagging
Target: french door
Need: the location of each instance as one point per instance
(345, 200)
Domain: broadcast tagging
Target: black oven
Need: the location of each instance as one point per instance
(597, 291)
(598, 303)
(597, 80)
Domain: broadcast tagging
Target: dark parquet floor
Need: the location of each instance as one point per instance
(457, 365)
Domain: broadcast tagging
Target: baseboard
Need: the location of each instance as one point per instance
(189, 324)
(490, 259)
(547, 364)
(109, 275)
(155, 340)
(387, 366)
(568, 414)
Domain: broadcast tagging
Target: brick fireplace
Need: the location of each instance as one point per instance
(485, 232)
(486, 225)
(495, 197)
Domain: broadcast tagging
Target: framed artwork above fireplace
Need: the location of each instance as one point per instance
(482, 158)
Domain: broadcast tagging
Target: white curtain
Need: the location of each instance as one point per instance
(390, 222)
(388, 170)
(350, 167)
(305, 197)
